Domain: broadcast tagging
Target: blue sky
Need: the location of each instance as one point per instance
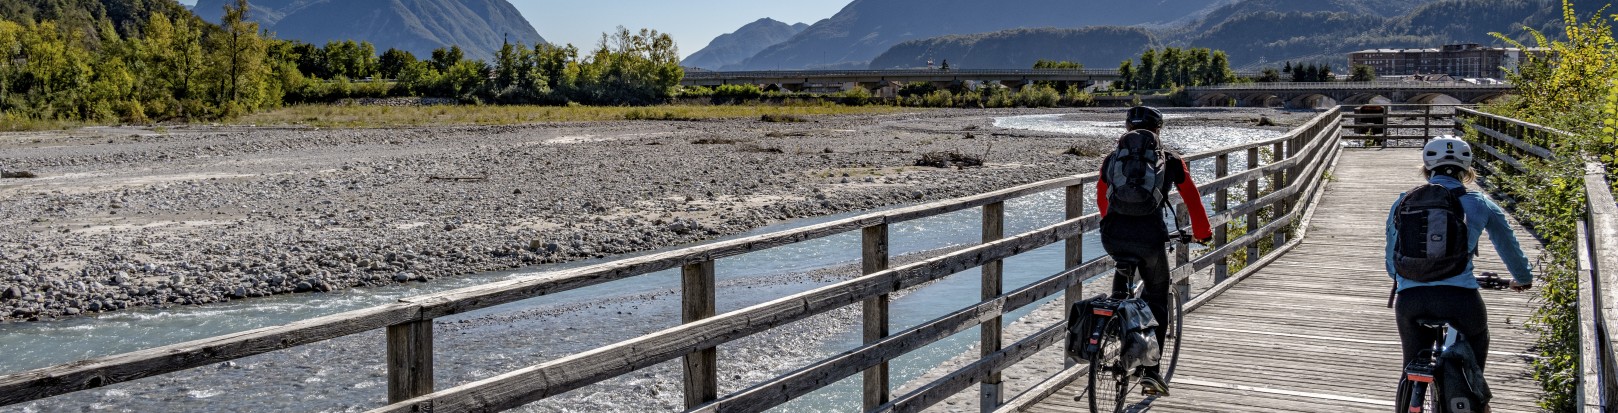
(692, 22)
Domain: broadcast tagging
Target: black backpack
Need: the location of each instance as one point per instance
(1431, 227)
(1135, 175)
(1460, 384)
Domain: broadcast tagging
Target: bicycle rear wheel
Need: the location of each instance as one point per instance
(1172, 334)
(1109, 382)
(1406, 402)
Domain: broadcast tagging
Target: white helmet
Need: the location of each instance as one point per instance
(1447, 150)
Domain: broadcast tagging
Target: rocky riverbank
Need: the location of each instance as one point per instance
(138, 217)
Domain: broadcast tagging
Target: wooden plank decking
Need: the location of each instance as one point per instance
(1312, 333)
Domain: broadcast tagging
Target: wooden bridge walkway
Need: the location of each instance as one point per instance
(1304, 327)
(1312, 331)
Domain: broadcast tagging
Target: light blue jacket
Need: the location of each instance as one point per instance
(1481, 214)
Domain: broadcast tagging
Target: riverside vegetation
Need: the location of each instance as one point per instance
(1574, 91)
(157, 67)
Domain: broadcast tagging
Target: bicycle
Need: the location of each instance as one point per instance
(1418, 392)
(1111, 380)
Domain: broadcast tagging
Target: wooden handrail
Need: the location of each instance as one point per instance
(1598, 274)
(1505, 139)
(1295, 164)
(1508, 141)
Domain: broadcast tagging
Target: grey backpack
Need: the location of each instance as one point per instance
(1431, 227)
(1135, 175)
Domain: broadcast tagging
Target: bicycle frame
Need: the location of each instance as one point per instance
(1422, 373)
(1423, 370)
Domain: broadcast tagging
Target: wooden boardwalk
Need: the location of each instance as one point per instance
(1311, 332)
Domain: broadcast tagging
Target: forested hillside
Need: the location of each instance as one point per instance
(1020, 48)
(416, 26)
(123, 14)
(866, 28)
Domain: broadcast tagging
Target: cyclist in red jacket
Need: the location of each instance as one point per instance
(1136, 230)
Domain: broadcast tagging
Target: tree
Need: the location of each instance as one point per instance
(443, 58)
(1126, 73)
(1168, 69)
(1195, 70)
(1218, 69)
(1362, 73)
(392, 62)
(237, 62)
(1269, 75)
(1147, 74)
(1053, 64)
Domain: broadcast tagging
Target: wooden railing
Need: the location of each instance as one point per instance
(1511, 142)
(1296, 164)
(1598, 307)
(1385, 129)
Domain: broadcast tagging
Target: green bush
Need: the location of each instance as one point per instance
(737, 93)
(858, 96)
(1038, 96)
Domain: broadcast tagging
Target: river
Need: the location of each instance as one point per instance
(347, 374)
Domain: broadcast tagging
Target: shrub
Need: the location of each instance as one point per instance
(737, 93)
(858, 96)
(1038, 96)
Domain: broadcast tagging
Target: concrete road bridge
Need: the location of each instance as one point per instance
(1286, 314)
(1327, 94)
(801, 80)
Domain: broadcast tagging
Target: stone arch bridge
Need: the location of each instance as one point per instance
(1311, 95)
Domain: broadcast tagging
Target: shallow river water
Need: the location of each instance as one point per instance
(347, 374)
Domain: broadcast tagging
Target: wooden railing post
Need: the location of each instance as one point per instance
(701, 367)
(410, 360)
(1281, 178)
(1221, 203)
(1427, 126)
(994, 216)
(1182, 254)
(1074, 255)
(874, 258)
(1252, 195)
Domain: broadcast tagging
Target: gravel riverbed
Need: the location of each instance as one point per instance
(125, 217)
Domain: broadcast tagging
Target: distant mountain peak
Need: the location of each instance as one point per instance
(731, 48)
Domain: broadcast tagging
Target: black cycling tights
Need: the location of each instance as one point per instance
(1154, 273)
(1461, 307)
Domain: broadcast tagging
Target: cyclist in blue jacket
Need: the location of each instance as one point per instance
(1447, 161)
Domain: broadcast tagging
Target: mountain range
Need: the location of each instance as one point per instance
(732, 48)
(881, 34)
(1020, 48)
(864, 29)
(418, 26)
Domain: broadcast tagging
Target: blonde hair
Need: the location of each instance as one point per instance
(1465, 174)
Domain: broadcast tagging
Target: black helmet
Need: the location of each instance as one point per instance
(1144, 117)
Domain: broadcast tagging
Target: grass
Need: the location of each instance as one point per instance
(349, 116)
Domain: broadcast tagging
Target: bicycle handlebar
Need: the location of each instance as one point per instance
(1492, 281)
(1181, 236)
